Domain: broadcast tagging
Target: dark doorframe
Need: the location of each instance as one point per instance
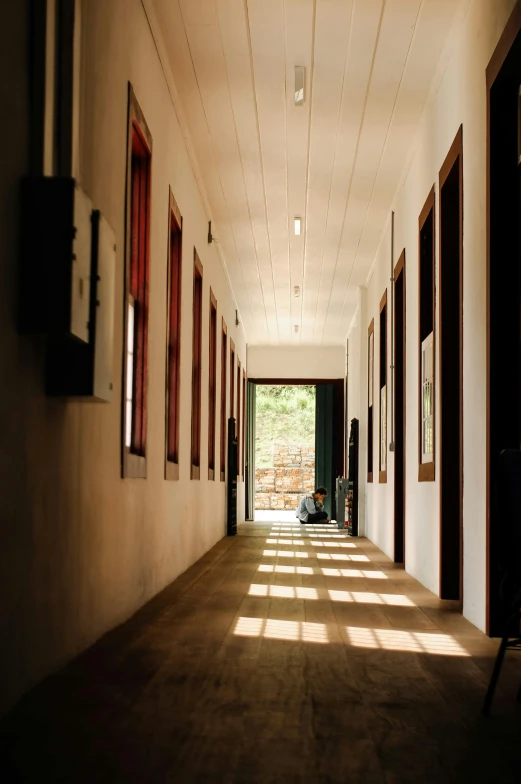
(399, 410)
(503, 77)
(451, 371)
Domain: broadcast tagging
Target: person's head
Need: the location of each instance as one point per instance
(320, 493)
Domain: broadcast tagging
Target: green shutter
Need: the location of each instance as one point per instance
(324, 446)
(250, 451)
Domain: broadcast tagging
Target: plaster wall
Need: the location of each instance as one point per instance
(296, 362)
(82, 548)
(459, 98)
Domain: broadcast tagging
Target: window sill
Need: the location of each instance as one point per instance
(171, 470)
(382, 478)
(426, 472)
(195, 472)
(134, 466)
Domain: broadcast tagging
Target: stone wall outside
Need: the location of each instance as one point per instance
(291, 474)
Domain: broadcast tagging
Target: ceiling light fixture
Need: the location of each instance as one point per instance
(298, 226)
(299, 85)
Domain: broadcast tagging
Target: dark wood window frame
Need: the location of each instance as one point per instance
(212, 384)
(426, 470)
(243, 423)
(136, 288)
(224, 363)
(370, 401)
(238, 424)
(197, 327)
(382, 377)
(173, 338)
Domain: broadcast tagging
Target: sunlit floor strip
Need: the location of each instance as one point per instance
(282, 630)
(283, 591)
(363, 597)
(341, 557)
(283, 569)
(286, 553)
(365, 573)
(413, 642)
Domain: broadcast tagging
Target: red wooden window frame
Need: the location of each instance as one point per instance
(238, 425)
(232, 378)
(196, 367)
(224, 360)
(212, 385)
(137, 283)
(427, 316)
(173, 357)
(243, 421)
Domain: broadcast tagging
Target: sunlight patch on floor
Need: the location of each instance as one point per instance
(393, 599)
(283, 569)
(283, 591)
(365, 573)
(282, 630)
(412, 642)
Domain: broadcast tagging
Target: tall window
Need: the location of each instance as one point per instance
(224, 359)
(212, 386)
(383, 388)
(196, 367)
(426, 389)
(370, 392)
(173, 340)
(238, 427)
(232, 378)
(243, 420)
(139, 154)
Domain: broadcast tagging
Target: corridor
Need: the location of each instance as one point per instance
(288, 654)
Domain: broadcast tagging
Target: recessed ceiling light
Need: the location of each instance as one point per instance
(299, 85)
(298, 226)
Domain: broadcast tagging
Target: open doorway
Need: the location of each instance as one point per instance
(284, 445)
(325, 435)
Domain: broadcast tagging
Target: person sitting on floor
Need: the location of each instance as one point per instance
(311, 507)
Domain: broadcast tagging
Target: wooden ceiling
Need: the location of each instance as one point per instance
(335, 161)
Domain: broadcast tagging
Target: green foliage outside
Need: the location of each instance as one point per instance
(285, 415)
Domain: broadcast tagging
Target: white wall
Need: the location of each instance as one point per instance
(294, 363)
(84, 549)
(460, 99)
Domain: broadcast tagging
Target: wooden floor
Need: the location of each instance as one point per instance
(287, 654)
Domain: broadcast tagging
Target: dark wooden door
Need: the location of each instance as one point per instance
(504, 291)
(451, 372)
(399, 411)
